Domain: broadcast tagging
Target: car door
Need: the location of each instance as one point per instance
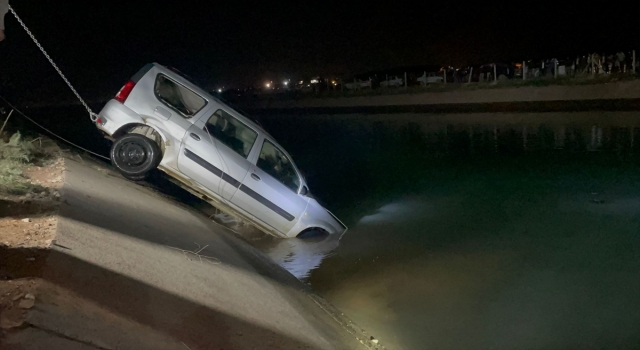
(270, 190)
(216, 151)
(198, 158)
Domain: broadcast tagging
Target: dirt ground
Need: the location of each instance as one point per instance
(27, 228)
(29, 221)
(16, 298)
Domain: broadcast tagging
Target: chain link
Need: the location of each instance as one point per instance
(92, 115)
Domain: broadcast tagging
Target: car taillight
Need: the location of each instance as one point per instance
(123, 94)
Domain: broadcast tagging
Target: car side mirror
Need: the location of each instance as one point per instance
(304, 190)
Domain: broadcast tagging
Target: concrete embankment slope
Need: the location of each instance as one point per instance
(132, 269)
(604, 91)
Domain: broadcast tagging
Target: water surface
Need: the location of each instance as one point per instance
(475, 231)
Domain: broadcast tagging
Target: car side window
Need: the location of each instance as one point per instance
(232, 132)
(275, 163)
(178, 97)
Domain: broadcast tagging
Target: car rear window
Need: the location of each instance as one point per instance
(178, 97)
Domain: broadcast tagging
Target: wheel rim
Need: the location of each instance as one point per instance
(132, 154)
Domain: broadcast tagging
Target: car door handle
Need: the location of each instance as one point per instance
(194, 136)
(255, 177)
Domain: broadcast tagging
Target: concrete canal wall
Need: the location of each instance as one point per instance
(606, 91)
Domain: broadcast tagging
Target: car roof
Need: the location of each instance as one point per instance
(246, 119)
(173, 72)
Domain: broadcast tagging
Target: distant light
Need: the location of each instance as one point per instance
(314, 81)
(219, 90)
(286, 83)
(267, 85)
(301, 82)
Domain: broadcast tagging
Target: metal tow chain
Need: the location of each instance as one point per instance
(92, 115)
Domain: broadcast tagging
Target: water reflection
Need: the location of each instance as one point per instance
(397, 211)
(298, 256)
(301, 256)
(476, 230)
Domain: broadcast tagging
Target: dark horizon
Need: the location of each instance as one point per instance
(100, 44)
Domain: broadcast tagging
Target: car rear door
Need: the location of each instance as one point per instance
(270, 190)
(215, 152)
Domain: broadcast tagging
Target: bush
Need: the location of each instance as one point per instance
(14, 155)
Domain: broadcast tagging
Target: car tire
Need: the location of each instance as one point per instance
(135, 155)
(135, 178)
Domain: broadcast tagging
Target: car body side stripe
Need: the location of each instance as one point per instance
(235, 183)
(267, 203)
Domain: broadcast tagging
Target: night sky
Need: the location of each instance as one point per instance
(100, 44)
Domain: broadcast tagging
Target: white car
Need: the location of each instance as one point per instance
(430, 78)
(352, 86)
(359, 84)
(365, 84)
(159, 119)
(393, 81)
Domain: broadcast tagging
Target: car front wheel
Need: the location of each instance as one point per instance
(313, 234)
(135, 155)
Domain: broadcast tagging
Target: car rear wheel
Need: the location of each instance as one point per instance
(135, 178)
(135, 155)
